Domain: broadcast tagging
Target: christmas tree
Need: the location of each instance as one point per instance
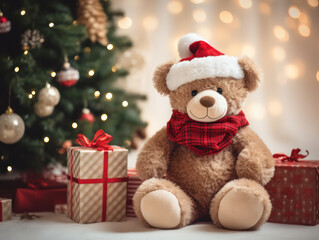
(58, 73)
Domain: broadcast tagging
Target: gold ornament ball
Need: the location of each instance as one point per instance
(11, 128)
(49, 96)
(43, 110)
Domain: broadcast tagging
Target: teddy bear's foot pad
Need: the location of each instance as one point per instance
(160, 209)
(239, 210)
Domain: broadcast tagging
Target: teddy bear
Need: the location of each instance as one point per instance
(207, 162)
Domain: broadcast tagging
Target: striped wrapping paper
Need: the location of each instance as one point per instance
(99, 184)
(132, 184)
(5, 209)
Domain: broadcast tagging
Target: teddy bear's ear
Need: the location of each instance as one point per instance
(252, 73)
(159, 78)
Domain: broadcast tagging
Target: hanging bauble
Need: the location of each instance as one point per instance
(31, 39)
(43, 110)
(68, 76)
(11, 127)
(93, 17)
(5, 24)
(49, 95)
(87, 115)
(66, 144)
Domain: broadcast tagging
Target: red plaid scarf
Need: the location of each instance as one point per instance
(204, 138)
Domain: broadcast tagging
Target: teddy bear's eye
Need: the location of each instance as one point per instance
(219, 90)
(194, 93)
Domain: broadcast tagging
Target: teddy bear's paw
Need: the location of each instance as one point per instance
(160, 209)
(240, 210)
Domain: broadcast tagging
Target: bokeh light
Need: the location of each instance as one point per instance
(125, 103)
(91, 72)
(199, 15)
(281, 33)
(125, 22)
(304, 30)
(109, 46)
(226, 17)
(108, 96)
(294, 12)
(175, 7)
(313, 3)
(97, 94)
(291, 71)
(103, 117)
(317, 76)
(245, 3)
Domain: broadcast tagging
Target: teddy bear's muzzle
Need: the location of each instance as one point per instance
(207, 106)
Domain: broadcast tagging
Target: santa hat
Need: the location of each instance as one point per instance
(200, 60)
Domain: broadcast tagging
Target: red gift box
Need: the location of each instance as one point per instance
(133, 183)
(294, 190)
(40, 196)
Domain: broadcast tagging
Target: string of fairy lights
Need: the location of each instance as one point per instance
(108, 96)
(225, 16)
(296, 22)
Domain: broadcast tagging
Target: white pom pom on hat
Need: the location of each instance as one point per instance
(185, 41)
(200, 60)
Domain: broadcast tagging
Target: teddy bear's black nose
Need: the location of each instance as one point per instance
(207, 101)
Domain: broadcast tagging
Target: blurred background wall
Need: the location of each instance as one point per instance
(281, 36)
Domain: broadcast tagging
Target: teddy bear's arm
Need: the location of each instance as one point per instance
(153, 158)
(254, 160)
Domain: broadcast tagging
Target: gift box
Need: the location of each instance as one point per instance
(133, 183)
(294, 190)
(5, 209)
(97, 180)
(39, 194)
(39, 200)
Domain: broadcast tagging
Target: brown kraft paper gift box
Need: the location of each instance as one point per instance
(97, 184)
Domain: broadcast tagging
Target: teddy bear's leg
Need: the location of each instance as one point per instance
(240, 204)
(162, 204)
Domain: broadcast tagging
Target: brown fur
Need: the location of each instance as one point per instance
(159, 78)
(201, 178)
(252, 73)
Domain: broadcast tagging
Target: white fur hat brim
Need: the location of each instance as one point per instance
(204, 67)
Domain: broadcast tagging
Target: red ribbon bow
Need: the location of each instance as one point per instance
(99, 142)
(294, 156)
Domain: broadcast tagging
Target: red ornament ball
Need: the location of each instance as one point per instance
(87, 115)
(68, 76)
(5, 25)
